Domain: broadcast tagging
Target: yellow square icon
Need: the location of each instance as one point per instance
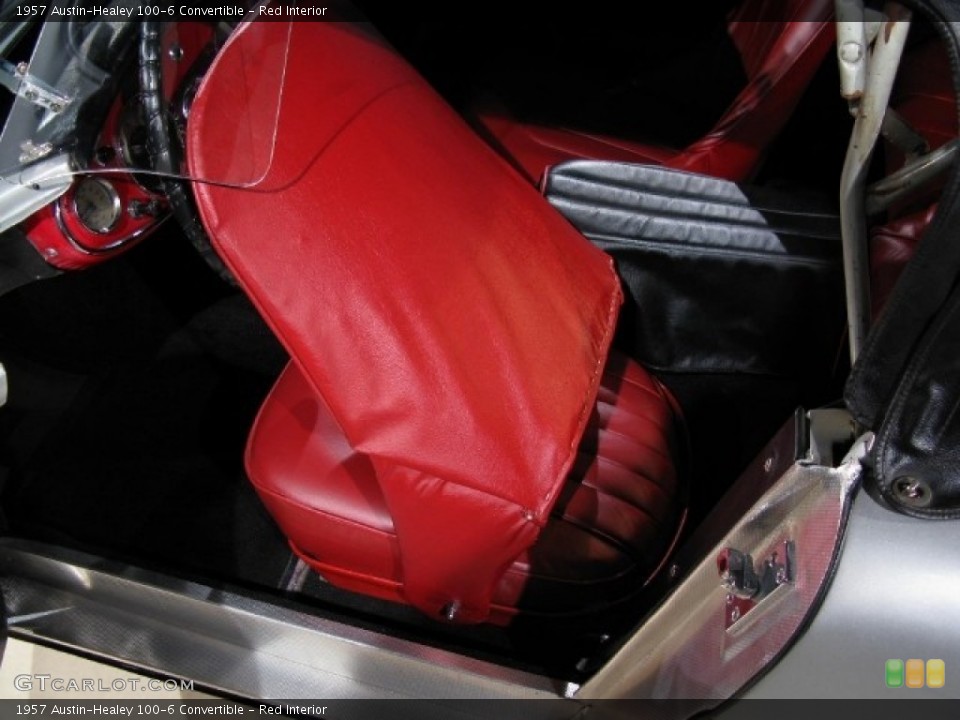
(936, 673)
(914, 674)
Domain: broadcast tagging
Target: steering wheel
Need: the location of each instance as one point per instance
(165, 146)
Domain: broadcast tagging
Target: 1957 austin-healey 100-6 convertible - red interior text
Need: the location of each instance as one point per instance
(472, 359)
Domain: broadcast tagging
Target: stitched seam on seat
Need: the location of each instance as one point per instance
(614, 542)
(656, 422)
(316, 563)
(703, 219)
(641, 475)
(587, 404)
(663, 245)
(629, 503)
(639, 443)
(457, 481)
(630, 381)
(584, 173)
(654, 449)
(589, 401)
(653, 419)
(516, 569)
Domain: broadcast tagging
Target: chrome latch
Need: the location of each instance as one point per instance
(749, 585)
(21, 83)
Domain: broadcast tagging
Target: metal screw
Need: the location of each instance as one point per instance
(450, 610)
(176, 53)
(104, 154)
(735, 614)
(912, 491)
(22, 68)
(674, 571)
(768, 464)
(50, 253)
(729, 599)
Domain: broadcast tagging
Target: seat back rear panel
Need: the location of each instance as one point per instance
(453, 322)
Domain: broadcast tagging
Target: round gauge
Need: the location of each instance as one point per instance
(97, 204)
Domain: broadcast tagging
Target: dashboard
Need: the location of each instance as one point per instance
(106, 210)
(110, 206)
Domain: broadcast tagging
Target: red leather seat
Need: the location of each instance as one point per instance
(891, 247)
(610, 529)
(782, 43)
(446, 435)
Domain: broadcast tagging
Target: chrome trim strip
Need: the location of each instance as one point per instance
(116, 245)
(236, 645)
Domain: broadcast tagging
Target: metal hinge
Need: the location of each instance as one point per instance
(21, 83)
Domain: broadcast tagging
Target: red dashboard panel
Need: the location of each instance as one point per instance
(103, 213)
(109, 209)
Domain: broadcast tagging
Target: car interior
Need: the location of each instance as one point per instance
(221, 416)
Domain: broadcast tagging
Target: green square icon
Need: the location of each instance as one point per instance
(894, 673)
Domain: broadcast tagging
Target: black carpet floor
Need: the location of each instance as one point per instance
(132, 388)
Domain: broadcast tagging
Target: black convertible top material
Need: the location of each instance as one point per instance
(906, 382)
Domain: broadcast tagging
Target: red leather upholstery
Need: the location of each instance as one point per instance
(454, 325)
(607, 533)
(782, 44)
(891, 247)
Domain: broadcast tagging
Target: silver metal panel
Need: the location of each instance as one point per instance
(233, 644)
(896, 595)
(685, 649)
(34, 188)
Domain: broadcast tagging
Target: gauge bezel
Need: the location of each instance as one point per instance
(117, 205)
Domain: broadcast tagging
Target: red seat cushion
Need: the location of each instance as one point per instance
(891, 247)
(609, 530)
(781, 44)
(454, 324)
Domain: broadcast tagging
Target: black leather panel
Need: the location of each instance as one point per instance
(916, 455)
(723, 278)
